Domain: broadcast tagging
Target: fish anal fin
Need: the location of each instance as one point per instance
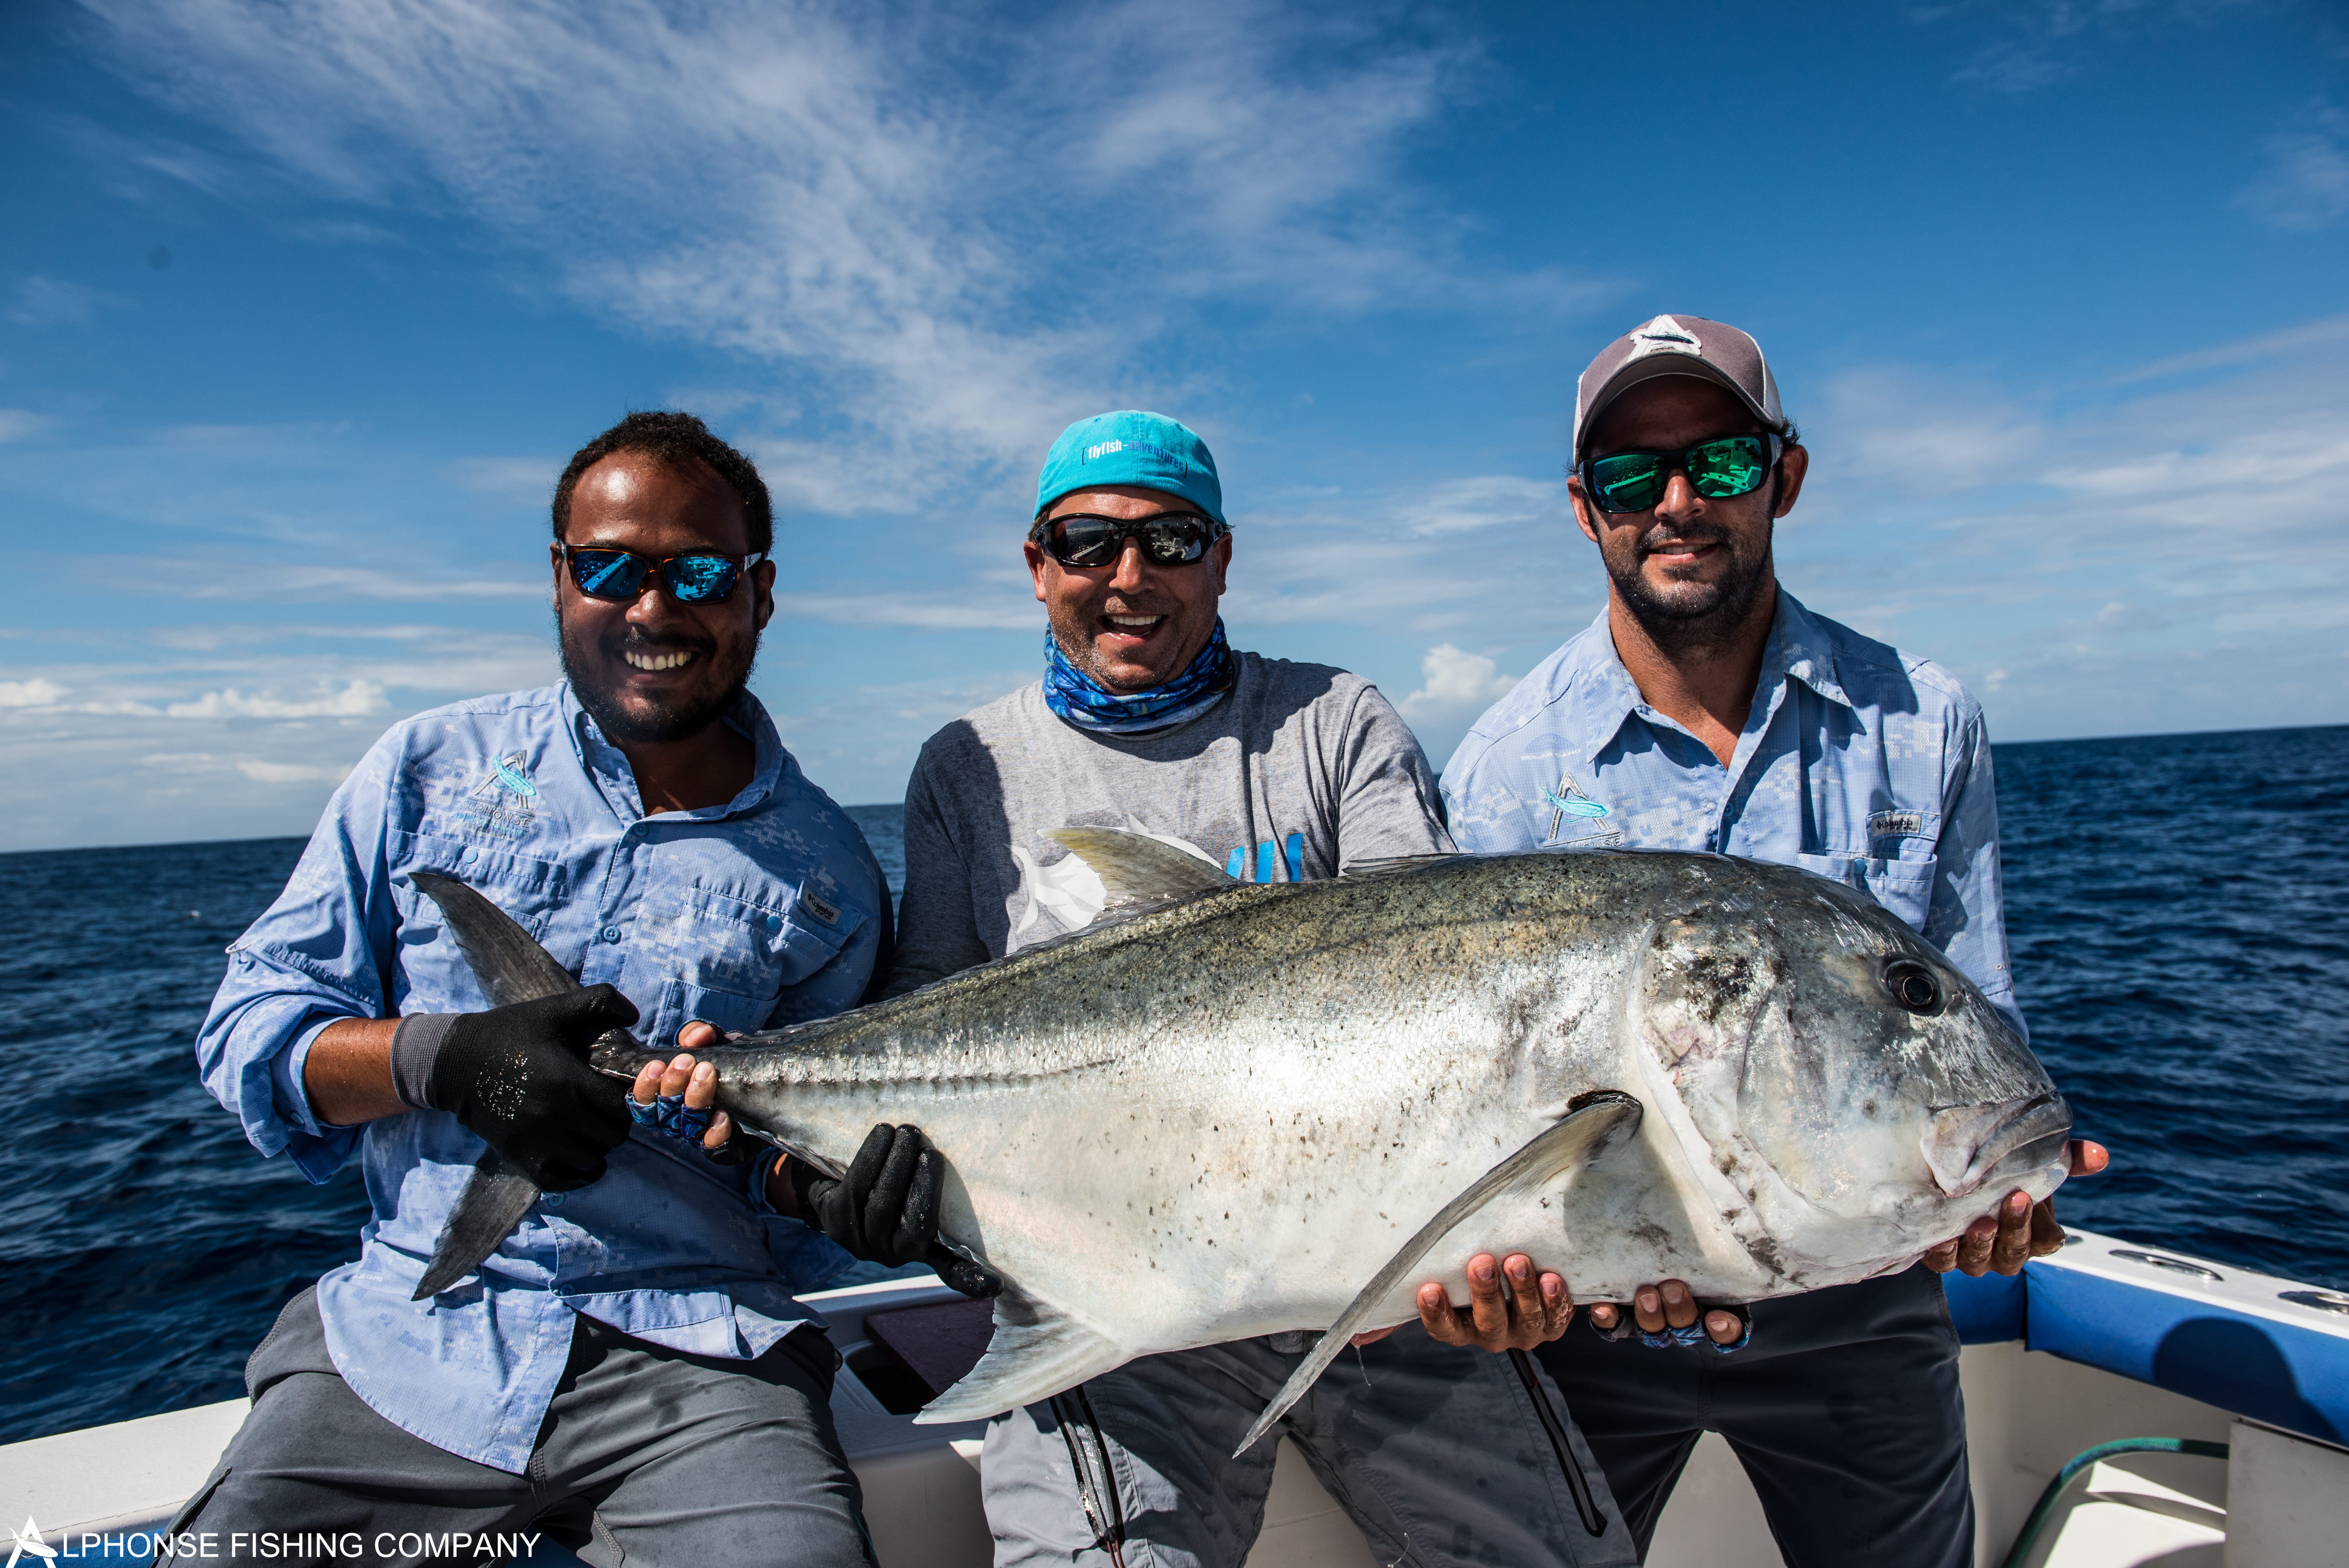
(1140, 868)
(1036, 1352)
(1602, 1122)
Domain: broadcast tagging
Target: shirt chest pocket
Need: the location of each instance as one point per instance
(730, 957)
(434, 971)
(1903, 886)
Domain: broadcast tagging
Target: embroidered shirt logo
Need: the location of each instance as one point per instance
(1575, 817)
(827, 912)
(505, 800)
(507, 773)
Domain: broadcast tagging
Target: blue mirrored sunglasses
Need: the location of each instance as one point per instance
(703, 578)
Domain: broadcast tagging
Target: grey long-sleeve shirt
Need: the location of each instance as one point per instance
(1302, 770)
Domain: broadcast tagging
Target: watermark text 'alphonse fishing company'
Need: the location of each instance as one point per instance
(29, 1548)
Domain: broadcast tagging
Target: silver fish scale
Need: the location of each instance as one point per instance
(1220, 1120)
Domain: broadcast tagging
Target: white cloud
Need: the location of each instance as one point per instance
(521, 477)
(859, 743)
(933, 252)
(22, 424)
(1489, 501)
(1913, 432)
(2021, 46)
(299, 584)
(994, 611)
(34, 693)
(48, 302)
(357, 699)
(1455, 680)
(2297, 338)
(262, 772)
(2210, 510)
(2306, 183)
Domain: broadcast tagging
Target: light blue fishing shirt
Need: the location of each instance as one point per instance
(1858, 761)
(765, 911)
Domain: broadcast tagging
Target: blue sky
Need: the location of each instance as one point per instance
(303, 305)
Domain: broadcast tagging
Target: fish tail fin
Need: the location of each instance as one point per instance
(1038, 1351)
(495, 1198)
(511, 967)
(507, 960)
(1603, 1121)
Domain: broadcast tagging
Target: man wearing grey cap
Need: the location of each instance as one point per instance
(1147, 719)
(1705, 709)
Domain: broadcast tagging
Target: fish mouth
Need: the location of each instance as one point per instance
(1969, 1147)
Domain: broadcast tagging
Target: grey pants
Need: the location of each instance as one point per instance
(647, 1456)
(1844, 1410)
(1439, 1454)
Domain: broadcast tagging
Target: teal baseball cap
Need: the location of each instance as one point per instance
(1132, 448)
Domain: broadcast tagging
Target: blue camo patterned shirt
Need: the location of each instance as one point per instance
(1857, 762)
(765, 911)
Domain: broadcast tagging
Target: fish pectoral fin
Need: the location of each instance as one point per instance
(508, 962)
(1038, 1351)
(495, 1198)
(1600, 1123)
(1138, 870)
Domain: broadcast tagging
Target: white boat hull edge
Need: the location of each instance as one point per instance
(2281, 1501)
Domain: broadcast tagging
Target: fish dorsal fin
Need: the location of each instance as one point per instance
(1141, 870)
(1394, 865)
(1604, 1121)
(509, 965)
(1038, 1351)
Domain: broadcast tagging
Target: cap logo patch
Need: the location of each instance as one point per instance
(1110, 448)
(1664, 336)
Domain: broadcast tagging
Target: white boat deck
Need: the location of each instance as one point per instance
(2281, 1501)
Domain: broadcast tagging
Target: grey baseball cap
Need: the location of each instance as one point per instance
(1678, 345)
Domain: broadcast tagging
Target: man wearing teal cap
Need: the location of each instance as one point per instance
(1147, 719)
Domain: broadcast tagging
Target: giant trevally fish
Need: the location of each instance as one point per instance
(1256, 1107)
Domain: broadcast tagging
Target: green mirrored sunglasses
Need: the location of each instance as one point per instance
(1724, 467)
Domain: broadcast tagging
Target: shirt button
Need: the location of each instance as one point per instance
(774, 923)
(472, 855)
(611, 933)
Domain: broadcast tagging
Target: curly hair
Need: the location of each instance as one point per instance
(679, 442)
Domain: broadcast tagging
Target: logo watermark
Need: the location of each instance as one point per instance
(29, 1544)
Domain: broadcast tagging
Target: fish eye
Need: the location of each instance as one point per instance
(1912, 986)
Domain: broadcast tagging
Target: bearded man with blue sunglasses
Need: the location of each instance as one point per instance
(1707, 710)
(1147, 718)
(629, 1371)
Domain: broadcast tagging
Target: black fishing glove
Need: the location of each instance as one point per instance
(518, 1077)
(885, 1210)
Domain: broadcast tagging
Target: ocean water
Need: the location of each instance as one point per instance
(2180, 917)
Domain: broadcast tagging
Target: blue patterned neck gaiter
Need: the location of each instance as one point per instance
(1088, 705)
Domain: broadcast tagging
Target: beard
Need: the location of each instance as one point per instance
(1074, 632)
(1694, 617)
(725, 674)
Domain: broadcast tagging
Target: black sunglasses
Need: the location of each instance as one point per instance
(702, 578)
(1169, 539)
(1717, 470)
